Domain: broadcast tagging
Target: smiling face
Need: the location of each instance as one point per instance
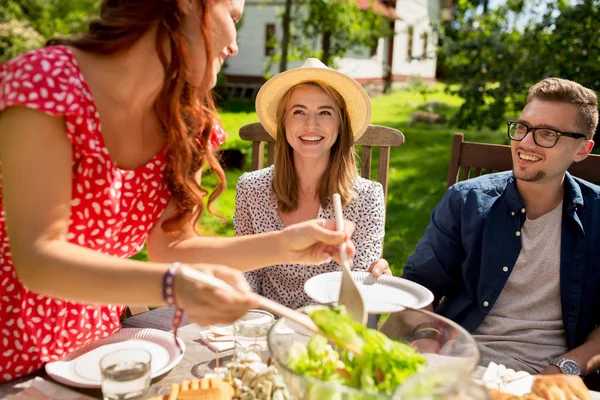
(532, 163)
(312, 122)
(223, 14)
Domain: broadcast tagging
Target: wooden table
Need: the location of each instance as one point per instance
(196, 356)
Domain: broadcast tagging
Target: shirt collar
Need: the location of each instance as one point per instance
(573, 196)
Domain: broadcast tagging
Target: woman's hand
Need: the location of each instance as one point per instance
(204, 305)
(315, 241)
(380, 267)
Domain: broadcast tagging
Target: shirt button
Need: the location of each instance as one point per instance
(512, 213)
(518, 233)
(485, 304)
(522, 210)
(505, 269)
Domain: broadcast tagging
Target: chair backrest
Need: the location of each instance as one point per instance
(470, 159)
(375, 136)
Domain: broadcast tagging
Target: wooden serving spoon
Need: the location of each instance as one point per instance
(267, 304)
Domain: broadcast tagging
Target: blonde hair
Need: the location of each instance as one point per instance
(569, 92)
(341, 172)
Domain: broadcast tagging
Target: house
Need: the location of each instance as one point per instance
(410, 52)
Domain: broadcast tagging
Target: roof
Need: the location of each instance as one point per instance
(379, 7)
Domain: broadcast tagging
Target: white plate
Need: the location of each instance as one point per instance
(386, 294)
(82, 367)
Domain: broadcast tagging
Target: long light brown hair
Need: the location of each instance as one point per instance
(341, 172)
(186, 113)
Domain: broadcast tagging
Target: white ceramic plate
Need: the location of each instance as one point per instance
(386, 294)
(82, 367)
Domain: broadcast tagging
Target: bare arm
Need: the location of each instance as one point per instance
(587, 355)
(36, 159)
(309, 242)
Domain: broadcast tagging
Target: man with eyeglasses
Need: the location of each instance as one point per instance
(515, 255)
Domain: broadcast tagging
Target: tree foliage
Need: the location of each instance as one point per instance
(492, 59)
(27, 24)
(327, 29)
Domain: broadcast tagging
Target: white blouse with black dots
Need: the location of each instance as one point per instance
(256, 212)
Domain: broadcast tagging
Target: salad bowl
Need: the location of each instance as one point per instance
(454, 349)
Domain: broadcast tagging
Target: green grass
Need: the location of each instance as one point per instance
(418, 169)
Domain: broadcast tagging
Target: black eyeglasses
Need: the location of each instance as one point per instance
(543, 137)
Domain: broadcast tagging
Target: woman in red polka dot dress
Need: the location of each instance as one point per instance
(102, 139)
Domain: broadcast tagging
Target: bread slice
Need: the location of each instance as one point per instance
(498, 395)
(560, 387)
(199, 389)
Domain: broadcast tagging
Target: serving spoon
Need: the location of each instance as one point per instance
(269, 305)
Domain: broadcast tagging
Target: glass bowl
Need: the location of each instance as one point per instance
(457, 351)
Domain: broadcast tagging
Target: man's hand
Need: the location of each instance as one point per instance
(315, 241)
(380, 267)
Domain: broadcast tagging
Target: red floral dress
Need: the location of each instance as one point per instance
(112, 211)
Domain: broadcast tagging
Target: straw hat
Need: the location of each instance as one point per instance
(357, 100)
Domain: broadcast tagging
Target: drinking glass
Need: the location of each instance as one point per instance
(441, 383)
(125, 374)
(250, 333)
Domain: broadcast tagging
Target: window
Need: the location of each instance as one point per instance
(270, 40)
(409, 53)
(425, 43)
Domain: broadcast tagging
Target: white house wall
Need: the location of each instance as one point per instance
(419, 14)
(358, 63)
(251, 60)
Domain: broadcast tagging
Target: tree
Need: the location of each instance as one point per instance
(342, 25)
(27, 24)
(492, 59)
(285, 39)
(339, 25)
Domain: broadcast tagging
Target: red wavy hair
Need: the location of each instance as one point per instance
(186, 113)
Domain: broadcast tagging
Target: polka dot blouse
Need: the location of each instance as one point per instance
(256, 212)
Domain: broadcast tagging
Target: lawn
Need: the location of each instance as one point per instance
(418, 170)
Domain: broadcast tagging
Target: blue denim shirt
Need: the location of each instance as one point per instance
(474, 234)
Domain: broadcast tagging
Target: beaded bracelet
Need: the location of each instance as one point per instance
(168, 292)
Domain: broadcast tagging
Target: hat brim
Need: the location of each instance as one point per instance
(356, 97)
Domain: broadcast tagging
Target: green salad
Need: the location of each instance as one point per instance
(382, 365)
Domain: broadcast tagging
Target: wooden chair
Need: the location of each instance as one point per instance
(134, 310)
(470, 160)
(375, 136)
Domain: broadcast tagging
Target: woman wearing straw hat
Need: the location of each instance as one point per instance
(102, 142)
(315, 114)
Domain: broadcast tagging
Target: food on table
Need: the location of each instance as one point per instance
(550, 387)
(255, 380)
(495, 394)
(382, 365)
(560, 386)
(247, 379)
(199, 389)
